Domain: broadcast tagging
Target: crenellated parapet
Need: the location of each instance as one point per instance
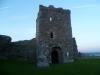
(52, 8)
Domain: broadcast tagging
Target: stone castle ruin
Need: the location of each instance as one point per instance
(53, 42)
(53, 36)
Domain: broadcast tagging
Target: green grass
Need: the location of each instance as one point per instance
(79, 67)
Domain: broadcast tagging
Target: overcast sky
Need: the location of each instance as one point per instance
(18, 20)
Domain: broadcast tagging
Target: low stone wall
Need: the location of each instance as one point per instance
(21, 50)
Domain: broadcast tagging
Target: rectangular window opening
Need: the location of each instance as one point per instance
(50, 19)
(51, 35)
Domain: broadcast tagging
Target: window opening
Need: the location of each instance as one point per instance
(50, 19)
(51, 35)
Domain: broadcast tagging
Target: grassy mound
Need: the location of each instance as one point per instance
(79, 67)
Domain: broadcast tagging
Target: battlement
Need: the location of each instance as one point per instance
(52, 8)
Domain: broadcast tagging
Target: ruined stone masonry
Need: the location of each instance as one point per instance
(21, 50)
(53, 36)
(53, 42)
(75, 49)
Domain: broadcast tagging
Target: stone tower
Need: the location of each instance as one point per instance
(75, 49)
(53, 36)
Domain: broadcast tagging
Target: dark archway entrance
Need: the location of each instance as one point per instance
(54, 56)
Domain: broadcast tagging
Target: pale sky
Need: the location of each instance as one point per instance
(18, 20)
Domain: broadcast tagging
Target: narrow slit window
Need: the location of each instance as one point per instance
(51, 35)
(50, 19)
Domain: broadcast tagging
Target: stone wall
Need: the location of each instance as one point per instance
(75, 49)
(21, 50)
(25, 49)
(4, 46)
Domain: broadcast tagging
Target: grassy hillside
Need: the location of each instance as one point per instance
(79, 67)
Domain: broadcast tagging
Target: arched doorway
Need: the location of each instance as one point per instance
(54, 56)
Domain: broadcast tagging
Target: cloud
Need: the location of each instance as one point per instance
(84, 6)
(80, 26)
(22, 30)
(86, 25)
(4, 8)
(19, 33)
(19, 17)
(19, 30)
(14, 18)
